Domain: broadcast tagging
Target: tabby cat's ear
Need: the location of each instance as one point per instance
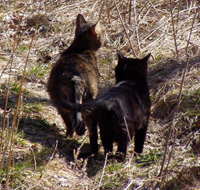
(96, 29)
(79, 22)
(120, 56)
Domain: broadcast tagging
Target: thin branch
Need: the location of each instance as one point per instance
(133, 51)
(56, 146)
(174, 32)
(130, 6)
(15, 45)
(179, 98)
(101, 10)
(7, 173)
(127, 129)
(104, 167)
(35, 163)
(19, 96)
(136, 24)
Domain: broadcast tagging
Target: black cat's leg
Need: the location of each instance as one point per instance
(122, 147)
(93, 134)
(107, 140)
(140, 136)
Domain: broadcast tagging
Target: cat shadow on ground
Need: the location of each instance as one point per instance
(34, 128)
(37, 130)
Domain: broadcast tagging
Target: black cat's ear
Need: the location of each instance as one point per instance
(120, 56)
(145, 59)
(79, 22)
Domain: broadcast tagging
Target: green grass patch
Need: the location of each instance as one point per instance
(14, 87)
(22, 48)
(38, 71)
(147, 159)
(23, 165)
(3, 58)
(158, 58)
(116, 175)
(32, 107)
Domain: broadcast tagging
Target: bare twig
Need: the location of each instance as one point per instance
(136, 24)
(19, 96)
(35, 163)
(179, 98)
(130, 7)
(15, 44)
(174, 32)
(127, 129)
(56, 146)
(101, 9)
(170, 154)
(179, 8)
(128, 186)
(7, 173)
(133, 51)
(104, 167)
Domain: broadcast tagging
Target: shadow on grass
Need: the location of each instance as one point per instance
(39, 131)
(187, 178)
(164, 82)
(167, 70)
(34, 128)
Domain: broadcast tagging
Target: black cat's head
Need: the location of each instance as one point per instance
(89, 34)
(131, 69)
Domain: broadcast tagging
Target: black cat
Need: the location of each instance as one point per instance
(75, 76)
(122, 111)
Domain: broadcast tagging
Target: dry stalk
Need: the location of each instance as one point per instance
(178, 103)
(179, 8)
(130, 6)
(111, 8)
(7, 173)
(101, 9)
(174, 31)
(56, 146)
(136, 24)
(9, 81)
(35, 163)
(127, 129)
(170, 154)
(15, 45)
(128, 186)
(153, 7)
(78, 162)
(141, 10)
(5, 146)
(133, 51)
(104, 167)
(19, 96)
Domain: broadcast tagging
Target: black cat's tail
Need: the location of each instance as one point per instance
(89, 106)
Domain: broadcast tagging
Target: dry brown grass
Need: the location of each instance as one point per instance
(31, 157)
